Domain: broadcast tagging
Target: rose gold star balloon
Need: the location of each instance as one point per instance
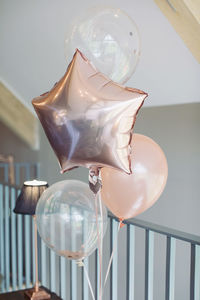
(88, 118)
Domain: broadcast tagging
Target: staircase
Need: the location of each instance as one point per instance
(134, 266)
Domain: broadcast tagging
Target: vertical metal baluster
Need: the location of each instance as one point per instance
(53, 271)
(6, 175)
(96, 274)
(33, 251)
(27, 243)
(170, 268)
(73, 266)
(19, 249)
(13, 240)
(73, 283)
(43, 264)
(149, 262)
(53, 258)
(27, 170)
(48, 267)
(85, 289)
(192, 271)
(7, 239)
(114, 267)
(19, 234)
(130, 262)
(3, 167)
(85, 283)
(17, 173)
(63, 279)
(37, 170)
(197, 273)
(111, 247)
(2, 237)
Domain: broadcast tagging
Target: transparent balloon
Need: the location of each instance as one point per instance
(66, 217)
(109, 38)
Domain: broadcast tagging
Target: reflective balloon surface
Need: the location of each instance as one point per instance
(110, 40)
(66, 219)
(88, 118)
(129, 195)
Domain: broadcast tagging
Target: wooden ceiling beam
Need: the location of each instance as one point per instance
(18, 118)
(184, 15)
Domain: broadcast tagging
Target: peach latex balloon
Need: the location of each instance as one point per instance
(129, 195)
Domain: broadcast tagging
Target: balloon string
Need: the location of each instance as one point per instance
(101, 235)
(112, 254)
(99, 248)
(88, 280)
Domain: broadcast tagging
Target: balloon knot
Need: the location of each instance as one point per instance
(80, 263)
(121, 222)
(95, 183)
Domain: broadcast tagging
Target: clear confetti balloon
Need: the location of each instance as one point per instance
(110, 40)
(66, 219)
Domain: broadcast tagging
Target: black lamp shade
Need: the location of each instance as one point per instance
(30, 193)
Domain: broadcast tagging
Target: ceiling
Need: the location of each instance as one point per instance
(32, 49)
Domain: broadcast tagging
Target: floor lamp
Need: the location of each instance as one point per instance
(26, 205)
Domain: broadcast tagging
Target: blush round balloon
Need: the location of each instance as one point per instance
(110, 40)
(129, 195)
(66, 219)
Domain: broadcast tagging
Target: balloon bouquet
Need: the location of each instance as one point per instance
(88, 120)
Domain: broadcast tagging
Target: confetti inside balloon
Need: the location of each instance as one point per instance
(66, 219)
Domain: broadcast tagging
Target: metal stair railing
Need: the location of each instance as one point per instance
(66, 279)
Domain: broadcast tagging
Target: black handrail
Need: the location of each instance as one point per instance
(180, 235)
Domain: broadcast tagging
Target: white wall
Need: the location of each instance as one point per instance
(32, 49)
(10, 144)
(176, 130)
